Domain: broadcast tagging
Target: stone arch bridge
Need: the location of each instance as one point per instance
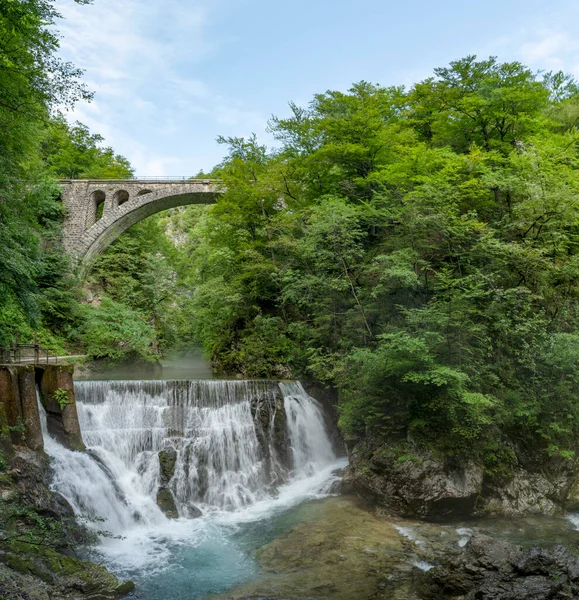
(99, 211)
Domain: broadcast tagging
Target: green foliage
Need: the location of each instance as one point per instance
(138, 271)
(415, 249)
(62, 398)
(499, 460)
(36, 145)
(115, 332)
(73, 152)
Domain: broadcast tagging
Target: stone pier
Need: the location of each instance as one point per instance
(20, 423)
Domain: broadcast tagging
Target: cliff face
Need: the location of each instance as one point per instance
(416, 483)
(37, 527)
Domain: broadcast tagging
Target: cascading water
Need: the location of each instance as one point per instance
(242, 451)
(310, 445)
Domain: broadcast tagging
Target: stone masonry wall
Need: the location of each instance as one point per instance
(19, 413)
(125, 203)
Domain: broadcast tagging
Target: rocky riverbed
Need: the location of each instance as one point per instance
(343, 549)
(339, 550)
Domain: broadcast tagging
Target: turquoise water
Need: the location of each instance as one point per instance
(191, 571)
(190, 559)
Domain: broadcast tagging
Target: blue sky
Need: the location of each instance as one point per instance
(171, 75)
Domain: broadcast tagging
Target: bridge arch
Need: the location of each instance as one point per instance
(124, 203)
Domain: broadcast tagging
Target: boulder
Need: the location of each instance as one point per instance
(523, 493)
(488, 569)
(166, 503)
(415, 485)
(192, 512)
(167, 460)
(46, 573)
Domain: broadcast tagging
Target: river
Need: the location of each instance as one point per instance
(244, 454)
(252, 480)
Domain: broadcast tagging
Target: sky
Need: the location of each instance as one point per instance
(170, 76)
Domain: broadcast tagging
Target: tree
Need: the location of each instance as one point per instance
(73, 152)
(415, 249)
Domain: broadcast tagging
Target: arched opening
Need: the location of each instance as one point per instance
(143, 192)
(105, 233)
(98, 198)
(120, 197)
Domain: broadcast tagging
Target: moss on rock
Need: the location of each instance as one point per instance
(66, 575)
(167, 460)
(166, 503)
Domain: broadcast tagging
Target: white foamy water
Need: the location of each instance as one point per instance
(465, 535)
(422, 564)
(574, 519)
(310, 445)
(244, 451)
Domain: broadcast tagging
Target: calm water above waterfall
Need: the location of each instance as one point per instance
(243, 453)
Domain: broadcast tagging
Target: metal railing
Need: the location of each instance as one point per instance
(27, 354)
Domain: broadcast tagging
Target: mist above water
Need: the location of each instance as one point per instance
(185, 364)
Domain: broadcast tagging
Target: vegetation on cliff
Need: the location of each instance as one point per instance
(417, 249)
(37, 146)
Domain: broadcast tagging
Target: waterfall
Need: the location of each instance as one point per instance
(310, 444)
(94, 490)
(232, 445)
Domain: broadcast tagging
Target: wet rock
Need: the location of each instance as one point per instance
(30, 475)
(335, 488)
(415, 485)
(61, 507)
(280, 439)
(523, 493)
(167, 460)
(109, 474)
(202, 475)
(192, 512)
(340, 486)
(166, 503)
(412, 482)
(269, 417)
(488, 569)
(338, 551)
(14, 586)
(125, 588)
(45, 573)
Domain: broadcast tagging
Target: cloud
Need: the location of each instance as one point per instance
(552, 49)
(145, 62)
